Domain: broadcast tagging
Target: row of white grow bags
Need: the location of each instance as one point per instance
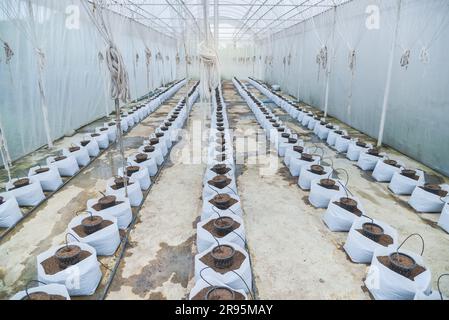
(428, 198)
(363, 245)
(221, 232)
(29, 191)
(96, 233)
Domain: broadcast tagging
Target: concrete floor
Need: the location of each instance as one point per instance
(294, 255)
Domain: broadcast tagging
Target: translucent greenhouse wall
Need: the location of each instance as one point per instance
(75, 75)
(418, 111)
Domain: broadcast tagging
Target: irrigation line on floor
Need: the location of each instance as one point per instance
(133, 222)
(82, 169)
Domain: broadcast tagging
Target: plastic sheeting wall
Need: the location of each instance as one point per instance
(76, 78)
(238, 61)
(418, 112)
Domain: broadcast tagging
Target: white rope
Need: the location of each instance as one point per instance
(405, 58)
(210, 71)
(8, 52)
(114, 60)
(119, 76)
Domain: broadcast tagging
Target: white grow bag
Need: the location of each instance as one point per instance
(324, 131)
(210, 190)
(296, 164)
(105, 241)
(102, 140)
(150, 164)
(52, 289)
(360, 248)
(161, 146)
(385, 284)
(81, 279)
(354, 151)
(122, 212)
(338, 219)
(306, 119)
(320, 197)
(111, 132)
(205, 240)
(432, 295)
(424, 201)
(92, 147)
(403, 185)
(368, 162)
(27, 196)
(443, 222)
(290, 153)
(306, 176)
(81, 156)
(342, 144)
(9, 211)
(285, 145)
(142, 176)
(332, 137)
(201, 284)
(209, 209)
(50, 180)
(135, 194)
(67, 167)
(384, 172)
(312, 124)
(229, 278)
(156, 154)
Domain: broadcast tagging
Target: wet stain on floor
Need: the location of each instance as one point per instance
(169, 265)
(284, 172)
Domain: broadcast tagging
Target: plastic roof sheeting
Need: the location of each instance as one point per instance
(238, 19)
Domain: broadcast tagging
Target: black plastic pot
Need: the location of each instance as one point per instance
(306, 157)
(220, 181)
(327, 183)
(92, 224)
(131, 170)
(223, 256)
(348, 204)
(220, 293)
(223, 225)
(149, 149)
(68, 256)
(372, 231)
(401, 263)
(317, 169)
(141, 157)
(222, 201)
(408, 173)
(107, 202)
(21, 183)
(41, 170)
(298, 149)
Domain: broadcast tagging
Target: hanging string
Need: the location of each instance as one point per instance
(405, 59)
(119, 75)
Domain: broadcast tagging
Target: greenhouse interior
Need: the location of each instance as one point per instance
(224, 150)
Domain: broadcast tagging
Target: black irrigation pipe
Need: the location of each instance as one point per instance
(125, 239)
(67, 180)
